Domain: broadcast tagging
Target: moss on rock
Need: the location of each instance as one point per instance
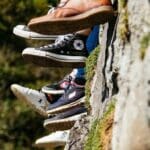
(123, 29)
(122, 4)
(90, 71)
(145, 42)
(100, 134)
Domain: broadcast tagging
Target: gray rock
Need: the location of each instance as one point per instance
(131, 128)
(122, 73)
(78, 135)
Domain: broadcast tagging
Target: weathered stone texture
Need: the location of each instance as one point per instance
(131, 127)
(78, 134)
(122, 72)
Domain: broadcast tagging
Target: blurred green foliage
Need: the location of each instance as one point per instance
(20, 126)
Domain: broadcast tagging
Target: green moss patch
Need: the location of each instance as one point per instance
(123, 29)
(122, 4)
(90, 71)
(145, 42)
(100, 135)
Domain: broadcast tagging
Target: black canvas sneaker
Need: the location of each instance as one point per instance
(67, 51)
(71, 96)
(57, 88)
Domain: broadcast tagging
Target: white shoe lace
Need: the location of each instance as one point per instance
(60, 41)
(52, 9)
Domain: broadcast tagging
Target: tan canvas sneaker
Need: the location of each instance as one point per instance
(72, 16)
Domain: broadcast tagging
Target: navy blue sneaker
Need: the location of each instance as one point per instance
(67, 113)
(65, 120)
(72, 95)
(67, 51)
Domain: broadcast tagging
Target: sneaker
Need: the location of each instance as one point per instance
(25, 32)
(36, 99)
(67, 113)
(66, 107)
(71, 96)
(73, 16)
(57, 88)
(62, 124)
(67, 51)
(53, 140)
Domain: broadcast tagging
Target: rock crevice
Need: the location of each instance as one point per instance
(123, 74)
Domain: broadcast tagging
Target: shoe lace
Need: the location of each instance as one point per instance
(51, 9)
(25, 28)
(59, 42)
(70, 79)
(73, 84)
(60, 5)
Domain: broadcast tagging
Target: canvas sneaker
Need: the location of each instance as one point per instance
(63, 124)
(57, 88)
(25, 32)
(73, 16)
(67, 51)
(36, 99)
(53, 140)
(68, 113)
(72, 95)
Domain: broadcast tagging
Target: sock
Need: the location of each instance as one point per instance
(93, 39)
(80, 73)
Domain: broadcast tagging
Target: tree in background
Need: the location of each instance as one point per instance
(19, 125)
(15, 12)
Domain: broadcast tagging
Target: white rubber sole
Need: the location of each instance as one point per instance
(18, 30)
(50, 145)
(62, 124)
(48, 59)
(62, 58)
(54, 92)
(63, 108)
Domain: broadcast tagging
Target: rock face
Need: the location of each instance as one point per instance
(78, 134)
(123, 71)
(132, 116)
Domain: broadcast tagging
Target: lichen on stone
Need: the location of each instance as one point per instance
(145, 42)
(123, 29)
(122, 4)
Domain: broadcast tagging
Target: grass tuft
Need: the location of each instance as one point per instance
(145, 42)
(100, 134)
(123, 28)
